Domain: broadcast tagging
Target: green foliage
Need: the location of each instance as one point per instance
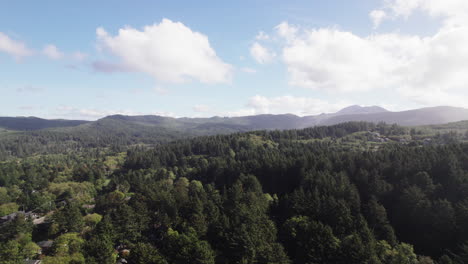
(401, 253)
(18, 249)
(92, 219)
(187, 248)
(69, 219)
(81, 192)
(10, 253)
(76, 258)
(315, 195)
(308, 241)
(246, 233)
(99, 248)
(68, 244)
(30, 250)
(4, 197)
(8, 208)
(145, 253)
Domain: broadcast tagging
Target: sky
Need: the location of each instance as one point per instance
(89, 59)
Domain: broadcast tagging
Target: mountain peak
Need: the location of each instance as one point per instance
(357, 109)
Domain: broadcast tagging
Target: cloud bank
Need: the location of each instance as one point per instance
(428, 70)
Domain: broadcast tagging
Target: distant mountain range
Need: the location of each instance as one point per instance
(28, 136)
(222, 125)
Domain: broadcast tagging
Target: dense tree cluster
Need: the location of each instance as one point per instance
(110, 134)
(278, 197)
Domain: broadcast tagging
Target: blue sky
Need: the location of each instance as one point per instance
(88, 59)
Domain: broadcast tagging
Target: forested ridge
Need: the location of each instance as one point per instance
(27, 136)
(350, 193)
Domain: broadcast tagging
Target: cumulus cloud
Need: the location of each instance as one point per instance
(15, 48)
(334, 60)
(261, 54)
(52, 52)
(286, 31)
(453, 12)
(300, 106)
(431, 67)
(168, 51)
(427, 70)
(377, 17)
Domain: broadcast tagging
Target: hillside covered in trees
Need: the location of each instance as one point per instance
(29, 136)
(350, 193)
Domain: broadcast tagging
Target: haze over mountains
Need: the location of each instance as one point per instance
(214, 125)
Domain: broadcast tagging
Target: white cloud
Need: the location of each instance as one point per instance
(248, 70)
(52, 52)
(169, 51)
(261, 54)
(402, 8)
(431, 67)
(262, 36)
(453, 12)
(300, 106)
(335, 60)
(286, 31)
(15, 48)
(377, 17)
(426, 70)
(201, 108)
